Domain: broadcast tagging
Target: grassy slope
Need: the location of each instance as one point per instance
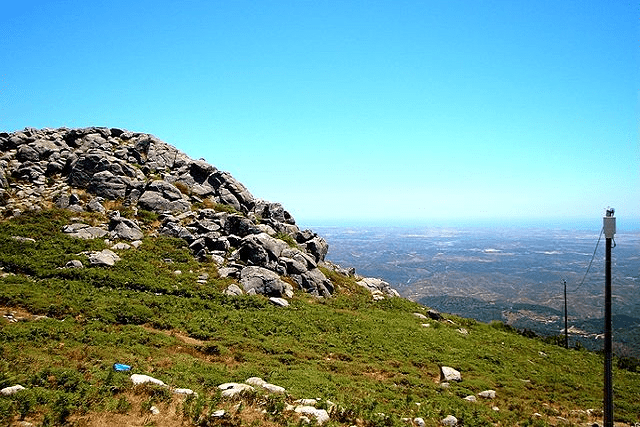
(368, 357)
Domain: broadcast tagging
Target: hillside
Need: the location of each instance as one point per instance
(117, 248)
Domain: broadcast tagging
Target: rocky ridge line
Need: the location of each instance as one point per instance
(252, 240)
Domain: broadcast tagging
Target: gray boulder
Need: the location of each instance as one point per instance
(155, 201)
(174, 229)
(449, 421)
(3, 179)
(317, 247)
(106, 184)
(295, 261)
(95, 205)
(105, 258)
(258, 280)
(315, 283)
(261, 249)
(239, 225)
(84, 231)
(373, 285)
(233, 290)
(27, 153)
(448, 374)
(123, 228)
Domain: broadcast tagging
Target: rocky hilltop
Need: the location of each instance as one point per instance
(111, 170)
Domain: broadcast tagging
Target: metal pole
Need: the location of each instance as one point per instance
(566, 323)
(609, 230)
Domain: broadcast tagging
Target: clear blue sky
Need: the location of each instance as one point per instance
(367, 110)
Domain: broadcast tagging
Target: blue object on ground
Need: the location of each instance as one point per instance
(121, 367)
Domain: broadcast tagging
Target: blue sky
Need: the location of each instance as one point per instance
(354, 110)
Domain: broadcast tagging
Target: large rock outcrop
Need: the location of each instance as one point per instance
(255, 241)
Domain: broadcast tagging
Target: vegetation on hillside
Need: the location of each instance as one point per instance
(371, 363)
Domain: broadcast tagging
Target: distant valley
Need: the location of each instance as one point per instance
(513, 275)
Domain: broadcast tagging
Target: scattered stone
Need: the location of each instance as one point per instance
(23, 239)
(95, 205)
(420, 316)
(138, 379)
(8, 391)
(449, 420)
(320, 415)
(419, 422)
(154, 410)
(233, 290)
(220, 413)
(448, 374)
(185, 391)
(280, 302)
(488, 394)
(471, 398)
(84, 231)
(104, 258)
(378, 287)
(231, 390)
(259, 382)
(259, 280)
(463, 331)
(121, 246)
(275, 389)
(74, 263)
(256, 381)
(433, 314)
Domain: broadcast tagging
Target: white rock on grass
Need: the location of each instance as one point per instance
(280, 302)
(8, 391)
(450, 421)
(488, 394)
(185, 391)
(448, 374)
(121, 246)
(471, 398)
(320, 415)
(138, 379)
(105, 257)
(230, 390)
(256, 381)
(418, 422)
(275, 389)
(271, 388)
(233, 290)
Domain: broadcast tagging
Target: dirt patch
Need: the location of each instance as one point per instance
(17, 314)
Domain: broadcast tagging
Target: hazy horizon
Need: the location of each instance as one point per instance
(623, 225)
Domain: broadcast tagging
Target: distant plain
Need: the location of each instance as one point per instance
(513, 274)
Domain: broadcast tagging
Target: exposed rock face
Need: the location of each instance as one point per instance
(83, 169)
